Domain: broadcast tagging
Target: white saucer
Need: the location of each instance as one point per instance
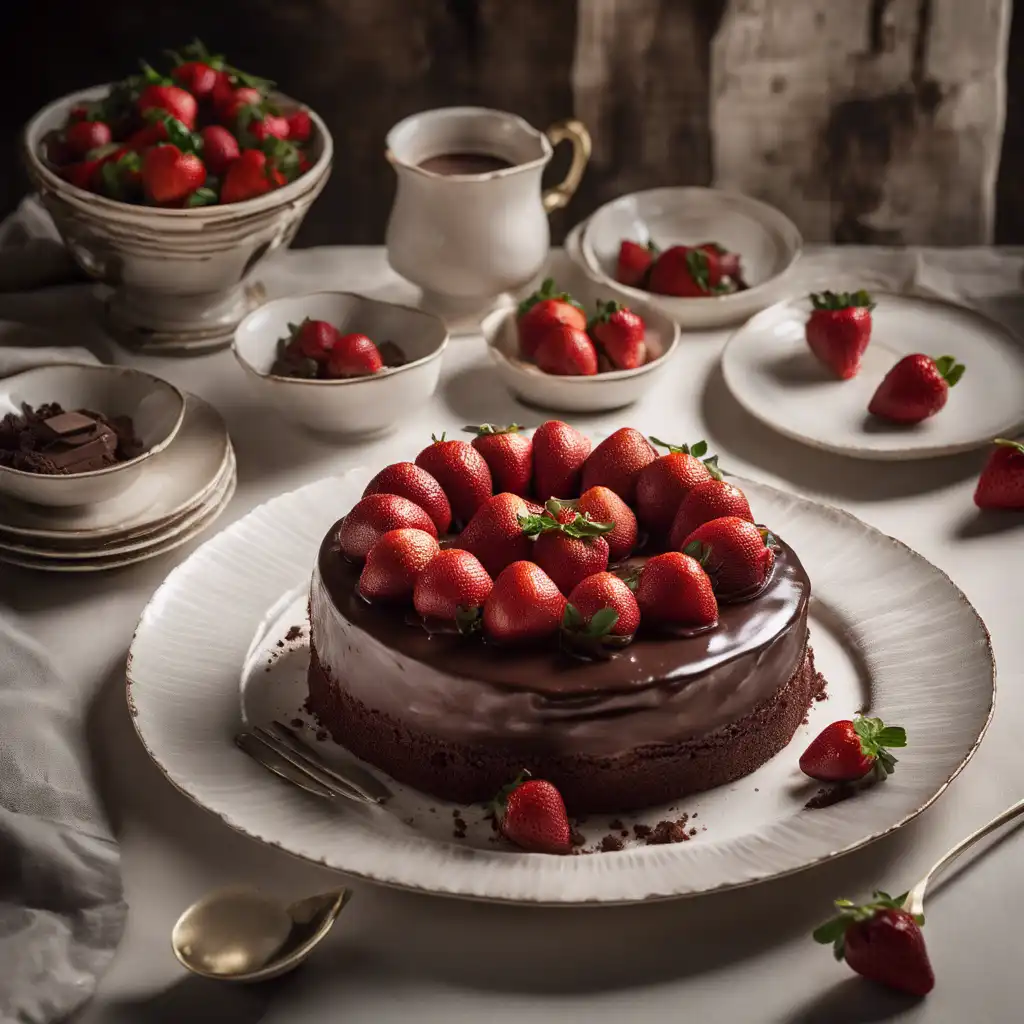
(771, 372)
(176, 481)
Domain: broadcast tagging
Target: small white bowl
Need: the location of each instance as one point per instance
(357, 406)
(767, 241)
(601, 392)
(155, 407)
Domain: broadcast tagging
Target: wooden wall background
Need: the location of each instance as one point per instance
(896, 121)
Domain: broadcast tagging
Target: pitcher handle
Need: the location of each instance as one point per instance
(575, 132)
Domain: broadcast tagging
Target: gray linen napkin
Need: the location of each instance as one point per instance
(32, 254)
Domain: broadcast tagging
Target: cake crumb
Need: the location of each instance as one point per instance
(624, 833)
(577, 837)
(821, 695)
(294, 632)
(297, 723)
(460, 827)
(693, 831)
(610, 844)
(321, 734)
(829, 795)
(280, 643)
(616, 824)
(642, 831)
(666, 832)
(694, 815)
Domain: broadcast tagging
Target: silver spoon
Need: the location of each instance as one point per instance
(240, 934)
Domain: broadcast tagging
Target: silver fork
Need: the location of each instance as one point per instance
(281, 751)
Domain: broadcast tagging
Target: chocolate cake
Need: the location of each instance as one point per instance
(458, 717)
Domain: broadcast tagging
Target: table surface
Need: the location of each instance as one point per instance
(742, 956)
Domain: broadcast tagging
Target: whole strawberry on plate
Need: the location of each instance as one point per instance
(559, 453)
(712, 499)
(495, 533)
(664, 483)
(524, 605)
(688, 272)
(846, 751)
(882, 942)
(672, 589)
(1001, 484)
(619, 333)
(531, 814)
(617, 461)
(601, 612)
(508, 454)
(736, 554)
(603, 505)
(915, 388)
(545, 307)
(569, 546)
(461, 470)
(839, 329)
(394, 563)
(408, 480)
(373, 516)
(453, 588)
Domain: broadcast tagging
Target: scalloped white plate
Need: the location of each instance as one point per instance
(891, 633)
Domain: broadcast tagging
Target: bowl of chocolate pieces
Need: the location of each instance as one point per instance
(77, 434)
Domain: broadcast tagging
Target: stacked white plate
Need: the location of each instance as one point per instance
(181, 493)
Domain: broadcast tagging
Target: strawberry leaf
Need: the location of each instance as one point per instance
(712, 465)
(875, 739)
(699, 268)
(487, 429)
(264, 85)
(542, 294)
(836, 301)
(949, 369)
(151, 76)
(697, 549)
(197, 51)
(603, 622)
(468, 619)
(203, 196)
(1006, 443)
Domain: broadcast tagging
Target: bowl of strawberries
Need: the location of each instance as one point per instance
(171, 185)
(579, 350)
(341, 364)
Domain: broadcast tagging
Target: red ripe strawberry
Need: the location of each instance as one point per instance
(619, 332)
(223, 91)
(1001, 484)
(712, 499)
(119, 175)
(617, 461)
(353, 355)
(531, 814)
(197, 77)
(598, 593)
(662, 485)
(81, 175)
(180, 104)
(839, 329)
(407, 480)
(220, 148)
(845, 751)
(269, 126)
(83, 136)
(461, 470)
(495, 533)
(605, 506)
(634, 262)
(232, 106)
(524, 605)
(736, 555)
(453, 588)
(686, 272)
(148, 136)
(915, 388)
(168, 175)
(569, 547)
(559, 452)
(674, 590)
(881, 942)
(314, 338)
(566, 351)
(728, 262)
(394, 564)
(508, 454)
(543, 308)
(373, 516)
(300, 126)
(250, 176)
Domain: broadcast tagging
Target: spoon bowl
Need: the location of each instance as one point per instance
(240, 934)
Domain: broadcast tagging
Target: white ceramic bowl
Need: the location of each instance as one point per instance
(358, 406)
(767, 241)
(155, 407)
(599, 393)
(178, 274)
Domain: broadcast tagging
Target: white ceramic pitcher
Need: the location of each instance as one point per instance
(465, 239)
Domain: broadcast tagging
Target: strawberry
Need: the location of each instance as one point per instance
(220, 148)
(461, 470)
(198, 77)
(223, 91)
(736, 555)
(508, 454)
(839, 329)
(566, 351)
(407, 480)
(300, 126)
(175, 101)
(845, 751)
(662, 484)
(249, 176)
(268, 126)
(602, 592)
(373, 516)
(712, 499)
(617, 461)
(881, 942)
(915, 388)
(531, 814)
(168, 175)
(148, 136)
(543, 308)
(686, 272)
(1001, 484)
(353, 355)
(570, 547)
(673, 589)
(605, 506)
(524, 605)
(559, 452)
(729, 262)
(83, 136)
(453, 588)
(119, 175)
(314, 339)
(81, 175)
(243, 98)
(634, 262)
(619, 332)
(495, 533)
(394, 563)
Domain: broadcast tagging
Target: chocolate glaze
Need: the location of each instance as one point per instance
(658, 689)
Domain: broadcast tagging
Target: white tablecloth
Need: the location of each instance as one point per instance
(739, 957)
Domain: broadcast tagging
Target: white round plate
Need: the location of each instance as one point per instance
(176, 480)
(771, 372)
(926, 665)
